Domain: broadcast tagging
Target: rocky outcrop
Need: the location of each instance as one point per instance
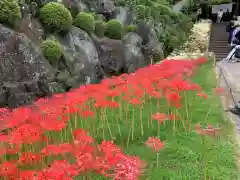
(111, 55)
(25, 73)
(134, 58)
(151, 47)
(124, 15)
(80, 59)
(32, 28)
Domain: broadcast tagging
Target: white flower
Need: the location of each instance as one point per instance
(197, 44)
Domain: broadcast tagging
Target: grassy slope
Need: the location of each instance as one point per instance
(182, 157)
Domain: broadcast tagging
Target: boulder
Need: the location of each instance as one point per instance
(24, 72)
(151, 45)
(124, 15)
(75, 6)
(134, 58)
(80, 62)
(32, 28)
(111, 55)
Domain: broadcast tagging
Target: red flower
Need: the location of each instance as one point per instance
(8, 169)
(130, 168)
(154, 143)
(160, 117)
(27, 175)
(29, 158)
(219, 90)
(81, 136)
(26, 134)
(203, 95)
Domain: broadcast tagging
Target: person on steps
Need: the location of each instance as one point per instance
(219, 16)
(234, 55)
(230, 28)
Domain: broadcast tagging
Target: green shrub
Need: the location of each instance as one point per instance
(99, 28)
(52, 50)
(140, 12)
(9, 12)
(55, 17)
(113, 29)
(85, 21)
(130, 28)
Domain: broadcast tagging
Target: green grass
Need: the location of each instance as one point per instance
(184, 154)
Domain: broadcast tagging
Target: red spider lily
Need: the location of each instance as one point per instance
(154, 143)
(219, 91)
(82, 136)
(160, 117)
(155, 94)
(53, 124)
(51, 149)
(111, 152)
(135, 101)
(8, 169)
(209, 131)
(12, 148)
(26, 134)
(203, 95)
(86, 113)
(27, 175)
(59, 170)
(29, 158)
(173, 97)
(130, 168)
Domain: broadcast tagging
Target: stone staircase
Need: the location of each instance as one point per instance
(218, 41)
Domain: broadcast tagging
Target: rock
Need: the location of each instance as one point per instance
(75, 6)
(105, 7)
(32, 28)
(80, 63)
(111, 55)
(151, 45)
(124, 15)
(24, 72)
(134, 58)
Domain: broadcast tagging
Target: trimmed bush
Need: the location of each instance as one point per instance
(52, 50)
(9, 12)
(85, 21)
(99, 28)
(56, 17)
(131, 28)
(140, 12)
(113, 29)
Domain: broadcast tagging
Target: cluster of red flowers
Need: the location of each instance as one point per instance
(30, 126)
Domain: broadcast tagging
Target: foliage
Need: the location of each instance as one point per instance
(131, 4)
(140, 126)
(55, 17)
(140, 12)
(99, 28)
(217, 2)
(9, 12)
(114, 29)
(147, 12)
(130, 28)
(85, 21)
(52, 50)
